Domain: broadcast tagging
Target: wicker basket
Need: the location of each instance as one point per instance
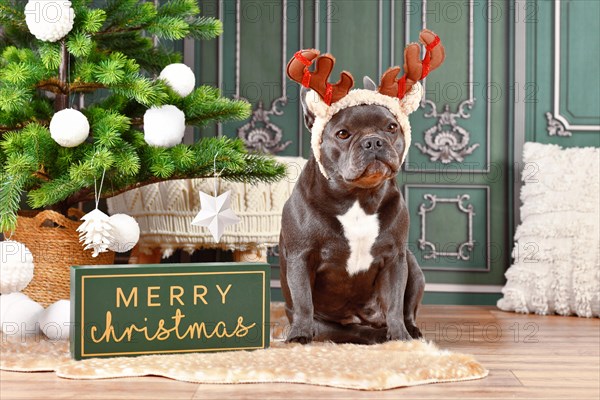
(53, 241)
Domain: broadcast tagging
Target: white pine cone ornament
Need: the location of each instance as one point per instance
(49, 20)
(95, 232)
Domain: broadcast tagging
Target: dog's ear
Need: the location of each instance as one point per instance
(369, 84)
(309, 117)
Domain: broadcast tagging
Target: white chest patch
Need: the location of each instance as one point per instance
(361, 230)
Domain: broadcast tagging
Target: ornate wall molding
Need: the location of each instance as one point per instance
(260, 134)
(558, 125)
(447, 141)
(464, 249)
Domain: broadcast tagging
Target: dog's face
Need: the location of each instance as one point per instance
(362, 145)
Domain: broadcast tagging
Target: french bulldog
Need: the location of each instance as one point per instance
(347, 274)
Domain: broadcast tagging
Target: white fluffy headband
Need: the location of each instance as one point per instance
(323, 113)
(401, 96)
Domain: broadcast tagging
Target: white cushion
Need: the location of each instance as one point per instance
(556, 255)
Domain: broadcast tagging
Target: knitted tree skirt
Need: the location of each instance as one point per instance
(376, 367)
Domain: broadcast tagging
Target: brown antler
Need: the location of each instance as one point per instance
(414, 68)
(297, 69)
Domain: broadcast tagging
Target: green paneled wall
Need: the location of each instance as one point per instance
(469, 145)
(563, 52)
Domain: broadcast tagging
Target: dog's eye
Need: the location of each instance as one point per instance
(343, 134)
(392, 128)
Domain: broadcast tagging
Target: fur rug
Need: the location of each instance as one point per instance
(378, 367)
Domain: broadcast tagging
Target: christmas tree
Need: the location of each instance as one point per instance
(104, 61)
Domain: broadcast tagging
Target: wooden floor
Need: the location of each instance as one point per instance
(529, 357)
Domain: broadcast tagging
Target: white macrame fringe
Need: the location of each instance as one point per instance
(164, 212)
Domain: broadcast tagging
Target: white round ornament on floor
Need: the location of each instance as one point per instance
(69, 127)
(164, 126)
(180, 78)
(16, 267)
(49, 20)
(125, 233)
(55, 320)
(19, 315)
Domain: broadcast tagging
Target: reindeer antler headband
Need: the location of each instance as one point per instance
(401, 96)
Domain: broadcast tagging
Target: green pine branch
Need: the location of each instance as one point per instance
(179, 8)
(11, 14)
(11, 188)
(204, 28)
(110, 57)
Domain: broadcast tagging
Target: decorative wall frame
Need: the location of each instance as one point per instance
(558, 125)
(447, 141)
(464, 248)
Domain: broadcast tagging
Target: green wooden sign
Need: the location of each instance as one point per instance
(133, 310)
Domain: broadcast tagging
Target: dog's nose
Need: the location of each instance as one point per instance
(372, 143)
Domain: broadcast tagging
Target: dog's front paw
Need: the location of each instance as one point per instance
(412, 329)
(300, 334)
(398, 333)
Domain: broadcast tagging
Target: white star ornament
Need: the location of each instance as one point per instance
(215, 214)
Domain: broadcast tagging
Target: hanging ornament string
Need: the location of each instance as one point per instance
(216, 175)
(97, 193)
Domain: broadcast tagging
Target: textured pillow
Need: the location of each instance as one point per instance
(556, 255)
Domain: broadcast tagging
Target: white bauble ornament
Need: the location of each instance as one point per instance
(49, 20)
(125, 233)
(19, 314)
(55, 320)
(95, 232)
(16, 267)
(69, 127)
(164, 126)
(180, 78)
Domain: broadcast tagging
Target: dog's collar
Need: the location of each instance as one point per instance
(323, 113)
